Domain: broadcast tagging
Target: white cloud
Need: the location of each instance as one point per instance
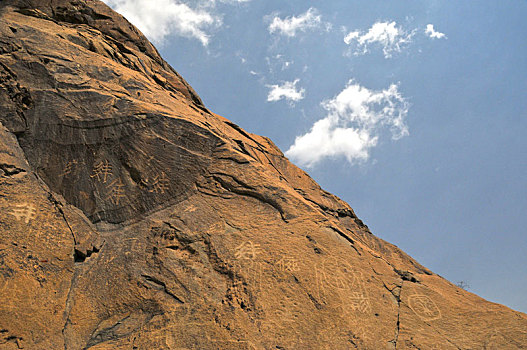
(158, 19)
(355, 121)
(287, 91)
(351, 36)
(431, 32)
(387, 35)
(290, 26)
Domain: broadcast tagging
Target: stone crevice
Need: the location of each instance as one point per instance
(163, 286)
(343, 235)
(396, 292)
(11, 170)
(76, 272)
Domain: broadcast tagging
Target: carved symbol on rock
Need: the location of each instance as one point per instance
(133, 247)
(160, 183)
(424, 307)
(287, 264)
(116, 192)
(336, 280)
(359, 302)
(24, 212)
(102, 171)
(247, 250)
(70, 167)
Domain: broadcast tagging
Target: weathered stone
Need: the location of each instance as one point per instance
(131, 217)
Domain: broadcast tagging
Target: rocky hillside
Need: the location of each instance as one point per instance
(132, 217)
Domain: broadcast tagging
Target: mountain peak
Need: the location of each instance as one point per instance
(102, 30)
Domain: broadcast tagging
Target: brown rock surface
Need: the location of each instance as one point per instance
(131, 217)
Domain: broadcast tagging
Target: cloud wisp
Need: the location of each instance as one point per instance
(432, 33)
(161, 18)
(292, 25)
(356, 119)
(387, 35)
(158, 19)
(287, 91)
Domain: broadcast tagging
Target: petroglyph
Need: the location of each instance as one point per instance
(102, 171)
(287, 264)
(24, 212)
(337, 280)
(424, 307)
(160, 184)
(116, 191)
(247, 250)
(70, 168)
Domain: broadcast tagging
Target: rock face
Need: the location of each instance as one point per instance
(131, 217)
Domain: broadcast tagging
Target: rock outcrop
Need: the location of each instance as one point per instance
(131, 217)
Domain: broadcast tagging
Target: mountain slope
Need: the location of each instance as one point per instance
(134, 218)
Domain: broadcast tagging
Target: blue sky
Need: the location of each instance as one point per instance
(414, 112)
